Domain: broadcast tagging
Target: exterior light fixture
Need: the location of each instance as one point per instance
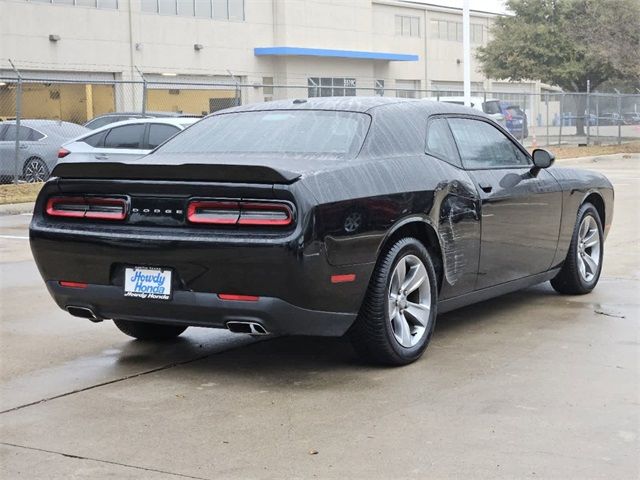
(198, 46)
(54, 38)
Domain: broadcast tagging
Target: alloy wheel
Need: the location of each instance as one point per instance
(409, 301)
(588, 250)
(35, 171)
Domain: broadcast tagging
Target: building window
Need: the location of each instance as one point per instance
(452, 31)
(216, 9)
(407, 26)
(379, 88)
(111, 4)
(407, 88)
(267, 85)
(331, 87)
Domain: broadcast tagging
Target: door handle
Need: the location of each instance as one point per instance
(101, 156)
(485, 187)
(24, 147)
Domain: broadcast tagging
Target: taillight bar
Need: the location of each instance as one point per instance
(217, 213)
(99, 208)
(274, 214)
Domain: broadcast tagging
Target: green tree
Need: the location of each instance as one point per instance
(566, 43)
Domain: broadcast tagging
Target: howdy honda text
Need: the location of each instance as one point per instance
(147, 283)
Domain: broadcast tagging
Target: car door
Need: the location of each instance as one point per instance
(124, 142)
(8, 148)
(520, 208)
(6, 155)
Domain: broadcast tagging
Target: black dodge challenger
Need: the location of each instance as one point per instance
(365, 216)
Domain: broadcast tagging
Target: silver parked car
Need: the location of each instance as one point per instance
(38, 147)
(126, 140)
(107, 118)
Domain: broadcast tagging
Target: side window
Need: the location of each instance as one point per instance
(127, 136)
(158, 133)
(35, 135)
(11, 133)
(100, 122)
(440, 142)
(481, 145)
(97, 139)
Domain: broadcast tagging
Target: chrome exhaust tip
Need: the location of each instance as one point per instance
(252, 328)
(83, 312)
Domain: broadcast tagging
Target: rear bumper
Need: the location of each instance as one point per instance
(202, 309)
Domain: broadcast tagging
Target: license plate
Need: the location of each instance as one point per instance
(147, 283)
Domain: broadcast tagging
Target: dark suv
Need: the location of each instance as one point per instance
(515, 119)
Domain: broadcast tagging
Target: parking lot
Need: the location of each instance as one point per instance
(530, 385)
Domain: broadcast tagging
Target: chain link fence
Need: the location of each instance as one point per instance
(37, 116)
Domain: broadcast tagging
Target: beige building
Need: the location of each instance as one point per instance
(322, 47)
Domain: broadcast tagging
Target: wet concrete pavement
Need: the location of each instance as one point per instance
(530, 385)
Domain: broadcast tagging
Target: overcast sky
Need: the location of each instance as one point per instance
(484, 5)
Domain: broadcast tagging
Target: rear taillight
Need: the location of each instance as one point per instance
(99, 208)
(217, 213)
(274, 214)
(63, 152)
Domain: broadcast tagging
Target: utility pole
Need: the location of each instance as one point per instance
(144, 90)
(466, 53)
(16, 171)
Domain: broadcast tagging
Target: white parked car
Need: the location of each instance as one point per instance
(490, 106)
(125, 140)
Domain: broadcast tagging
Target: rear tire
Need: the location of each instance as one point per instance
(582, 267)
(149, 331)
(397, 318)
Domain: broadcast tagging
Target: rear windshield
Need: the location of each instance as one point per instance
(295, 132)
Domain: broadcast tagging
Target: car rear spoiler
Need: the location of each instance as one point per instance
(179, 172)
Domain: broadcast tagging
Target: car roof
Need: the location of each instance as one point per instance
(40, 123)
(353, 104)
(51, 128)
(148, 114)
(461, 99)
(177, 121)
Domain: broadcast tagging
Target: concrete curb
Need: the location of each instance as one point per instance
(16, 208)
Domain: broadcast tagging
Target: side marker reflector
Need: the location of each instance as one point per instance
(238, 298)
(72, 284)
(347, 277)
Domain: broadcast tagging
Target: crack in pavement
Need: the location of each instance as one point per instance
(110, 462)
(127, 377)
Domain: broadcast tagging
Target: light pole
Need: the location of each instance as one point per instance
(466, 53)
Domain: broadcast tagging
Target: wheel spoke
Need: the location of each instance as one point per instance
(584, 228)
(590, 264)
(399, 275)
(581, 266)
(418, 313)
(393, 307)
(416, 277)
(592, 238)
(403, 330)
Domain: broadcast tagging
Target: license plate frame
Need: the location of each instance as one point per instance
(148, 283)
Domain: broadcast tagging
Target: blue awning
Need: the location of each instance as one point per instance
(322, 52)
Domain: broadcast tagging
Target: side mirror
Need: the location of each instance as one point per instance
(541, 159)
